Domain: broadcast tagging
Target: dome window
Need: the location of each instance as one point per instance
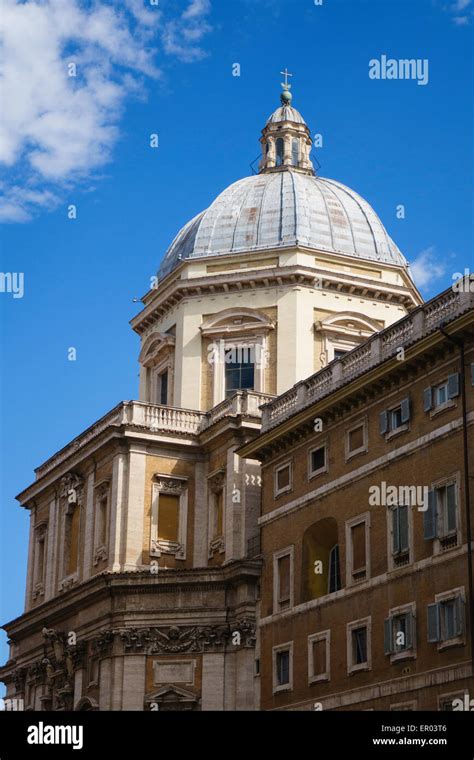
(279, 151)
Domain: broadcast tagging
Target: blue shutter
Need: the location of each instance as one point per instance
(427, 399)
(395, 530)
(433, 622)
(429, 518)
(383, 422)
(451, 507)
(410, 630)
(453, 385)
(403, 528)
(405, 408)
(388, 642)
(458, 616)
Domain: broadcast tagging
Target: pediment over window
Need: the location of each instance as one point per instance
(237, 321)
(349, 324)
(154, 346)
(171, 697)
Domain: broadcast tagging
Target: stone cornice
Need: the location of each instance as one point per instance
(109, 584)
(283, 276)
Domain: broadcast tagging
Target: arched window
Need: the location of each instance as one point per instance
(320, 573)
(279, 151)
(295, 150)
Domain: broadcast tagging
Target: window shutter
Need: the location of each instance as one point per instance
(410, 630)
(383, 422)
(453, 385)
(458, 616)
(427, 399)
(388, 643)
(429, 517)
(403, 528)
(451, 507)
(396, 530)
(433, 622)
(405, 407)
(472, 373)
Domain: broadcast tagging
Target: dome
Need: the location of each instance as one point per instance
(275, 210)
(286, 113)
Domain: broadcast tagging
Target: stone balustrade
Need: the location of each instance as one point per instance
(156, 418)
(383, 345)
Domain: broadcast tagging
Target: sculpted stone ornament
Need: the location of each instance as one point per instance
(71, 488)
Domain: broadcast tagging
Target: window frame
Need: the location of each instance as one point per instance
(286, 647)
(172, 485)
(392, 566)
(286, 489)
(353, 626)
(365, 445)
(314, 473)
(397, 612)
(287, 551)
(441, 599)
(312, 638)
(352, 523)
(257, 343)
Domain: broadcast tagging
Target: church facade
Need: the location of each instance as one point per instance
(148, 586)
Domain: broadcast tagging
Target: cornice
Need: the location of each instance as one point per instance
(283, 276)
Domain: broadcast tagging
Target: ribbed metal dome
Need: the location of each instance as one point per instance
(280, 209)
(286, 113)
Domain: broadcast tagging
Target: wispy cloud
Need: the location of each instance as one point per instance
(67, 69)
(461, 11)
(427, 268)
(190, 27)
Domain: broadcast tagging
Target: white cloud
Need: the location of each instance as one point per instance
(426, 268)
(460, 5)
(57, 129)
(461, 10)
(189, 28)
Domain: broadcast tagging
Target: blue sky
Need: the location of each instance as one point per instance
(167, 69)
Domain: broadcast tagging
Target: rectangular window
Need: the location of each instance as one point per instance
(317, 460)
(239, 370)
(439, 396)
(399, 632)
(283, 667)
(359, 645)
(359, 558)
(283, 479)
(400, 536)
(283, 579)
(72, 539)
(357, 549)
(168, 517)
(339, 353)
(446, 618)
(440, 518)
(284, 582)
(219, 513)
(356, 440)
(334, 583)
(163, 387)
(319, 657)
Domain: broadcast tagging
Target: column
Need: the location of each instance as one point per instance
(119, 470)
(187, 377)
(135, 509)
(50, 555)
(201, 516)
(89, 525)
(295, 352)
(233, 507)
(213, 681)
(30, 564)
(133, 682)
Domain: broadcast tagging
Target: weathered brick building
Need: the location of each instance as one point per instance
(145, 565)
(366, 592)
